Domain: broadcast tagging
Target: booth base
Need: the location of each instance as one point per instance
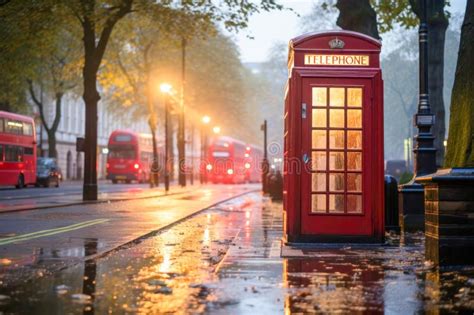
(309, 240)
(306, 250)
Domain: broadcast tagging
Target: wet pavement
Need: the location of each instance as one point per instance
(70, 193)
(226, 260)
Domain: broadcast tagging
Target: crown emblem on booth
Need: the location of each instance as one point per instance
(336, 43)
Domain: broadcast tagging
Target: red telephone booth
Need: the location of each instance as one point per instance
(333, 173)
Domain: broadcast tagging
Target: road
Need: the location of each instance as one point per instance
(71, 193)
(69, 188)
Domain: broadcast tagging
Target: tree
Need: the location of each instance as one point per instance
(460, 151)
(57, 73)
(38, 57)
(358, 16)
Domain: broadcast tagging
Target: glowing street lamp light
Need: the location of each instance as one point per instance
(216, 130)
(165, 88)
(206, 119)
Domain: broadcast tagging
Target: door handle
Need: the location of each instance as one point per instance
(305, 158)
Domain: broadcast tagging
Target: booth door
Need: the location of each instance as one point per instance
(336, 154)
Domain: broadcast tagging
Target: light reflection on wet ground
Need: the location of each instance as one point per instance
(227, 261)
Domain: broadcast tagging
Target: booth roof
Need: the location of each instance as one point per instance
(308, 36)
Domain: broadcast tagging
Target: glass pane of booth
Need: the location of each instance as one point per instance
(354, 161)
(336, 139)
(354, 118)
(319, 139)
(354, 203)
(318, 203)
(336, 203)
(336, 118)
(318, 182)
(354, 139)
(336, 161)
(318, 161)
(336, 182)
(336, 97)
(319, 118)
(319, 96)
(354, 97)
(354, 182)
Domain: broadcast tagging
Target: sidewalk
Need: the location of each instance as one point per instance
(392, 278)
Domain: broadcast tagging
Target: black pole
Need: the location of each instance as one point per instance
(265, 165)
(425, 152)
(192, 155)
(89, 191)
(202, 167)
(167, 148)
(205, 156)
(411, 195)
(181, 143)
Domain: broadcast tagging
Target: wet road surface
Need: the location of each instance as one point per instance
(12, 199)
(226, 260)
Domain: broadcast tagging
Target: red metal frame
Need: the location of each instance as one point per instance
(25, 166)
(300, 224)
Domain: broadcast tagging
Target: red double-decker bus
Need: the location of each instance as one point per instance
(130, 156)
(226, 161)
(253, 161)
(17, 150)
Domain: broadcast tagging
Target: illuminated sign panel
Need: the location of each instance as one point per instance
(337, 60)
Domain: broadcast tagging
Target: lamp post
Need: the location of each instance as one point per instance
(205, 121)
(265, 163)
(411, 200)
(425, 152)
(216, 130)
(181, 130)
(166, 90)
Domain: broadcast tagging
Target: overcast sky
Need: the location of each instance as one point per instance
(269, 27)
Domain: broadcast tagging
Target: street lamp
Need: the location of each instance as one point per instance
(425, 153)
(216, 130)
(166, 88)
(411, 200)
(205, 120)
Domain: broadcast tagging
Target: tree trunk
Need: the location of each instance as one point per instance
(437, 25)
(91, 99)
(357, 16)
(52, 152)
(94, 49)
(154, 167)
(460, 151)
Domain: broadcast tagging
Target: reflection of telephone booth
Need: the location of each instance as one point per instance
(333, 184)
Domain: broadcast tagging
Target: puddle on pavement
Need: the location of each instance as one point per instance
(226, 261)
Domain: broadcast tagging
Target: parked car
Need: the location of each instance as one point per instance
(47, 172)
